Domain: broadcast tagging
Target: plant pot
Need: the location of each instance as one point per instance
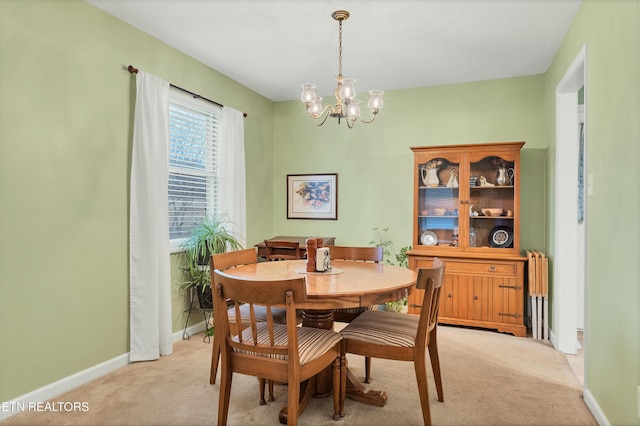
(203, 260)
(205, 298)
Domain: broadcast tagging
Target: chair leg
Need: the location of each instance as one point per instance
(271, 398)
(343, 382)
(261, 383)
(215, 359)
(225, 394)
(293, 399)
(435, 363)
(367, 369)
(423, 389)
(335, 387)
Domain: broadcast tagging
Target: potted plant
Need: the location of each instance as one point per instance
(401, 305)
(402, 259)
(212, 235)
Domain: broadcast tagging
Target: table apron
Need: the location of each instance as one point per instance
(336, 302)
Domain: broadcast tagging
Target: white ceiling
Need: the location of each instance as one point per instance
(273, 46)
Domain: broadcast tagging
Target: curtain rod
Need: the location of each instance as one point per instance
(134, 70)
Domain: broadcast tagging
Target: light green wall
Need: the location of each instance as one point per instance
(375, 165)
(610, 29)
(65, 143)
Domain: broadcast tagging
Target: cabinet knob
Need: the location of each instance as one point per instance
(475, 297)
(492, 268)
(449, 295)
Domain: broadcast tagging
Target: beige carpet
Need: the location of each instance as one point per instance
(489, 379)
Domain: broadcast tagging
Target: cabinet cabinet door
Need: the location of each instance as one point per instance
(508, 301)
(493, 202)
(437, 176)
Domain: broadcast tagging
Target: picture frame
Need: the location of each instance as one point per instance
(312, 196)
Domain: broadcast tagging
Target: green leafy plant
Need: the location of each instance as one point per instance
(210, 236)
(381, 241)
(401, 257)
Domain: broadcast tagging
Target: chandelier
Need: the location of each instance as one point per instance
(347, 106)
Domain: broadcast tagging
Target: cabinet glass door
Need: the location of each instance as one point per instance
(491, 203)
(438, 202)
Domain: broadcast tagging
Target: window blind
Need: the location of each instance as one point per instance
(193, 163)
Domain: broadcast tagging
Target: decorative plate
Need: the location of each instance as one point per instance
(428, 238)
(501, 237)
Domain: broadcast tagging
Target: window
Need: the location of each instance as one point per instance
(193, 163)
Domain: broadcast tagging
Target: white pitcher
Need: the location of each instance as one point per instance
(429, 176)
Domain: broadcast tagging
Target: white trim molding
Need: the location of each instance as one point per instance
(66, 384)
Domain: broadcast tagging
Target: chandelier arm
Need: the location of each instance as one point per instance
(326, 111)
(323, 120)
(373, 117)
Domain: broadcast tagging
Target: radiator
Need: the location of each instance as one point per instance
(538, 278)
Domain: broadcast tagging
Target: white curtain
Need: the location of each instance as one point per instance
(232, 171)
(149, 273)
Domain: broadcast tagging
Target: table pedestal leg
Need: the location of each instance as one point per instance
(357, 392)
(320, 319)
(320, 385)
(306, 393)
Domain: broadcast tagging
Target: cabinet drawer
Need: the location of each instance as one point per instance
(484, 268)
(455, 266)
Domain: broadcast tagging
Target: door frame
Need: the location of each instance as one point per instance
(570, 251)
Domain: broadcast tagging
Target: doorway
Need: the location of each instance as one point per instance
(569, 277)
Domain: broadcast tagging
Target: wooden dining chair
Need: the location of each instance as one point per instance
(223, 261)
(282, 250)
(364, 254)
(277, 352)
(391, 335)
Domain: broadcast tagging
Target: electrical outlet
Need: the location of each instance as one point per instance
(638, 401)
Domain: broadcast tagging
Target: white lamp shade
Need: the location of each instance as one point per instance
(348, 88)
(308, 93)
(353, 110)
(316, 107)
(375, 102)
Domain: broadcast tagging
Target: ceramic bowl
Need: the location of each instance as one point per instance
(492, 212)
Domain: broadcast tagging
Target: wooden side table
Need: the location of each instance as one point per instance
(262, 250)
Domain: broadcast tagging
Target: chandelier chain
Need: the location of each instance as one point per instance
(340, 48)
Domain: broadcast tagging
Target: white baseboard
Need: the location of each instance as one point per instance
(552, 338)
(63, 385)
(595, 408)
(66, 384)
(194, 329)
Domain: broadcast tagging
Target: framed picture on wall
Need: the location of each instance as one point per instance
(312, 196)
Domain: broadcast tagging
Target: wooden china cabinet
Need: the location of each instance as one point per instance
(466, 211)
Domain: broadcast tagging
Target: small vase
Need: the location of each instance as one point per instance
(502, 178)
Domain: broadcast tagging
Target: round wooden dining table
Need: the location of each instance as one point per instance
(348, 284)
